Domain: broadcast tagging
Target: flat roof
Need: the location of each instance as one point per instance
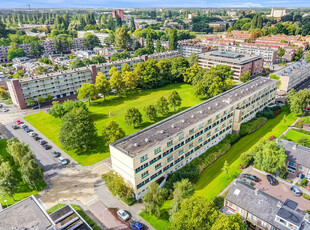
(26, 214)
(140, 141)
(229, 57)
(249, 48)
(293, 68)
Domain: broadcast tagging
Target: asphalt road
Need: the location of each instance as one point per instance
(304, 85)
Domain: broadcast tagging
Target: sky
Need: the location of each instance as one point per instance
(152, 3)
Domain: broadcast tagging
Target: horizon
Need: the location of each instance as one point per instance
(130, 4)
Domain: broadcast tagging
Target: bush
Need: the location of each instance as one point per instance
(89, 221)
(303, 182)
(218, 202)
(266, 112)
(303, 131)
(231, 138)
(299, 124)
(247, 159)
(308, 211)
(252, 126)
(282, 172)
(306, 196)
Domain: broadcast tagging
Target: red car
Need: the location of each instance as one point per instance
(18, 122)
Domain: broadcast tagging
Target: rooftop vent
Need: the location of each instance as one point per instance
(192, 116)
(200, 111)
(237, 192)
(209, 107)
(247, 89)
(256, 192)
(183, 121)
(216, 104)
(172, 126)
(135, 144)
(146, 140)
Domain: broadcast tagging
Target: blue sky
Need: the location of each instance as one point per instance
(151, 3)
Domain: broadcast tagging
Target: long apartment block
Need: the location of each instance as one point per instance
(268, 55)
(65, 83)
(239, 63)
(156, 151)
(187, 49)
(293, 75)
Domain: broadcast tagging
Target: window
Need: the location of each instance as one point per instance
(181, 137)
(157, 166)
(209, 134)
(143, 158)
(181, 152)
(170, 159)
(217, 117)
(169, 143)
(191, 131)
(157, 150)
(282, 221)
(200, 140)
(145, 174)
(216, 130)
(191, 145)
(252, 217)
(210, 121)
(263, 223)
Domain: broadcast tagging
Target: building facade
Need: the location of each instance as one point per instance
(186, 49)
(156, 151)
(65, 83)
(268, 55)
(239, 63)
(263, 211)
(293, 75)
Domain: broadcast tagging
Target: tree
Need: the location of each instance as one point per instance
(2, 29)
(191, 73)
(154, 199)
(31, 102)
(299, 101)
(281, 52)
(269, 156)
(31, 172)
(132, 25)
(162, 106)
(112, 132)
(90, 41)
(149, 45)
(289, 97)
(86, 92)
(41, 70)
(150, 112)
(231, 222)
(182, 189)
(133, 117)
(14, 51)
(195, 213)
(57, 110)
(159, 47)
(3, 93)
(226, 169)
(307, 57)
(125, 68)
(178, 68)
(193, 59)
(136, 45)
(98, 59)
(173, 39)
(77, 130)
(174, 99)
(8, 181)
(102, 85)
(17, 149)
(77, 63)
(36, 49)
(116, 82)
(122, 38)
(244, 77)
(129, 80)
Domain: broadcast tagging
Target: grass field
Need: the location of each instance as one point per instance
(116, 107)
(295, 135)
(23, 189)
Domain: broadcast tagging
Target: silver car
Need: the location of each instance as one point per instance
(123, 215)
(63, 161)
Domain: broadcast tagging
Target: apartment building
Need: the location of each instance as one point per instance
(268, 55)
(120, 13)
(293, 75)
(65, 83)
(186, 49)
(156, 151)
(263, 211)
(100, 36)
(239, 63)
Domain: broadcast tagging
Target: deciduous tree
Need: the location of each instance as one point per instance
(150, 112)
(8, 181)
(162, 106)
(102, 85)
(133, 117)
(112, 132)
(116, 82)
(244, 77)
(87, 92)
(174, 99)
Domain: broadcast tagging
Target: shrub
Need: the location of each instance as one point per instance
(247, 159)
(308, 211)
(231, 138)
(299, 124)
(303, 131)
(282, 172)
(306, 196)
(253, 125)
(218, 202)
(266, 112)
(303, 182)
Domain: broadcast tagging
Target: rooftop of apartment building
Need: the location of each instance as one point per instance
(241, 47)
(234, 58)
(265, 206)
(26, 214)
(293, 68)
(136, 143)
(296, 153)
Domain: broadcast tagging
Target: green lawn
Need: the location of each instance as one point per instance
(159, 223)
(295, 135)
(212, 180)
(117, 108)
(55, 208)
(23, 189)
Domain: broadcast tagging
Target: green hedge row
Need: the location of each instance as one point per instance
(252, 126)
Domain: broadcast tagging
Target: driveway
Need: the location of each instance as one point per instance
(280, 191)
(107, 216)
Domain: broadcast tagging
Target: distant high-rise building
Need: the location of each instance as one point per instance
(120, 13)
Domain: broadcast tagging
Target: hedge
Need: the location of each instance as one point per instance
(252, 126)
(306, 196)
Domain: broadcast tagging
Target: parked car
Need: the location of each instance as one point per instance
(28, 130)
(18, 122)
(296, 191)
(32, 134)
(36, 138)
(63, 160)
(136, 225)
(0, 105)
(56, 154)
(42, 142)
(15, 127)
(47, 147)
(4, 109)
(247, 181)
(23, 126)
(36, 107)
(271, 180)
(123, 215)
(251, 177)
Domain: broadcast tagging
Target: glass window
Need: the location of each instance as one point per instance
(191, 145)
(145, 174)
(282, 221)
(191, 131)
(169, 143)
(170, 159)
(143, 158)
(181, 137)
(216, 130)
(201, 126)
(210, 121)
(217, 117)
(157, 150)
(157, 166)
(263, 223)
(181, 152)
(200, 140)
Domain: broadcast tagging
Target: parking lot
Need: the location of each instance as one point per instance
(280, 191)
